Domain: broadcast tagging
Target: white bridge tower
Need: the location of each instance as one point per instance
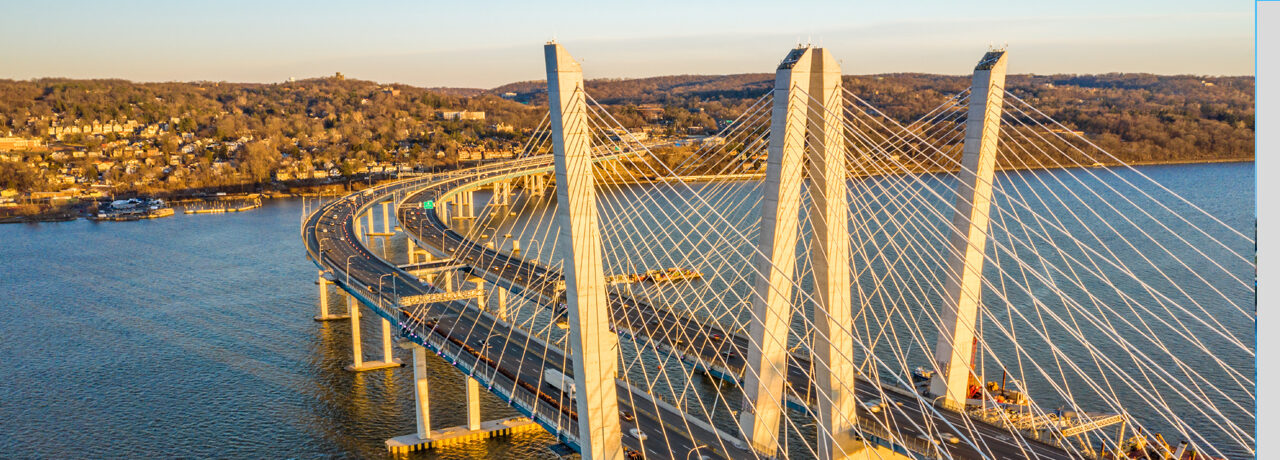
(593, 346)
(958, 318)
(808, 108)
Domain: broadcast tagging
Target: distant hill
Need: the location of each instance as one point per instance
(218, 134)
(1138, 117)
(654, 89)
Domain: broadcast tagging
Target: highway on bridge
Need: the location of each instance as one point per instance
(509, 361)
(512, 365)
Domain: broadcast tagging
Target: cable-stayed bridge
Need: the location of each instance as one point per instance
(817, 280)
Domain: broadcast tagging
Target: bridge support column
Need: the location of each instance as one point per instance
(471, 203)
(412, 254)
(368, 215)
(535, 185)
(421, 395)
(958, 318)
(386, 219)
(501, 294)
(481, 301)
(357, 355)
(502, 193)
(358, 363)
(386, 343)
(764, 381)
(445, 280)
(592, 345)
(424, 438)
(359, 230)
(324, 301)
(473, 404)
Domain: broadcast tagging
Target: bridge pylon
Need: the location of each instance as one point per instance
(958, 318)
(593, 346)
(808, 105)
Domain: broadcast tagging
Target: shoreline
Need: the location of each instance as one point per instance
(65, 215)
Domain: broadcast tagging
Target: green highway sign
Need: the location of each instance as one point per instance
(429, 204)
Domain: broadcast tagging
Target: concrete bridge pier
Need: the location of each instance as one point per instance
(423, 438)
(387, 356)
(386, 218)
(535, 185)
(464, 204)
(481, 301)
(421, 394)
(417, 254)
(445, 280)
(473, 404)
(358, 363)
(501, 295)
(540, 185)
(324, 301)
(502, 193)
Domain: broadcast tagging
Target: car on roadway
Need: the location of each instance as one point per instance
(951, 438)
(638, 434)
(632, 454)
(927, 438)
(627, 415)
(717, 336)
(874, 406)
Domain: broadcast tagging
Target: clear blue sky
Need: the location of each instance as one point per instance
(488, 43)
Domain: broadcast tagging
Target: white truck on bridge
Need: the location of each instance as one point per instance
(560, 382)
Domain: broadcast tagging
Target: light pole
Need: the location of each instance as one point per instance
(349, 269)
(380, 287)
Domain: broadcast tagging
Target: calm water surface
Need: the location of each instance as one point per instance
(191, 336)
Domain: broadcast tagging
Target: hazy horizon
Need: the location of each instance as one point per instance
(468, 46)
(315, 77)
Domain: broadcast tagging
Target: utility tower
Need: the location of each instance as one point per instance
(953, 353)
(593, 346)
(808, 107)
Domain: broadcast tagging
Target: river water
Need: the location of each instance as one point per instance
(192, 336)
